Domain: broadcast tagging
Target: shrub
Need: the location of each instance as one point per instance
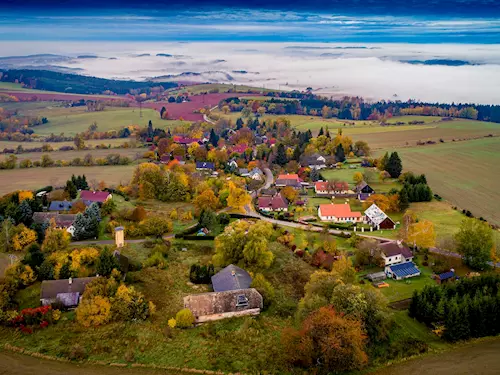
(172, 323)
(201, 274)
(129, 356)
(264, 287)
(184, 318)
(77, 352)
(94, 311)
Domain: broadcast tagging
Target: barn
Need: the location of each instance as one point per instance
(378, 218)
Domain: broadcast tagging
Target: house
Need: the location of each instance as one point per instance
(394, 252)
(60, 206)
(273, 204)
(63, 221)
(378, 219)
(331, 188)
(243, 172)
(339, 213)
(364, 188)
(256, 174)
(315, 161)
(66, 291)
(292, 180)
(445, 277)
(205, 166)
(231, 278)
(402, 271)
(165, 159)
(233, 164)
(208, 307)
(90, 197)
(185, 140)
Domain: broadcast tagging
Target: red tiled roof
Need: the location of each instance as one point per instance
(338, 210)
(288, 177)
(94, 196)
(276, 202)
(323, 185)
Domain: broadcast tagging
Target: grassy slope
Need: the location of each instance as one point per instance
(132, 153)
(462, 172)
(57, 145)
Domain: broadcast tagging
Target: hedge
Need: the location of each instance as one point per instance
(195, 238)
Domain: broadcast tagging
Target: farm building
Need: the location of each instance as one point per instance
(60, 206)
(331, 188)
(315, 161)
(378, 219)
(402, 271)
(89, 197)
(67, 291)
(376, 276)
(339, 213)
(292, 180)
(62, 221)
(273, 204)
(364, 188)
(208, 307)
(395, 252)
(445, 277)
(231, 278)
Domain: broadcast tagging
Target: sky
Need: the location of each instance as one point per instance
(371, 48)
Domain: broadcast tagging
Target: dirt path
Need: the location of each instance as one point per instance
(482, 358)
(17, 364)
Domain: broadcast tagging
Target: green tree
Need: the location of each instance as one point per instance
(71, 189)
(404, 202)
(214, 138)
(474, 241)
(264, 287)
(106, 263)
(339, 153)
(394, 165)
(25, 213)
(296, 153)
(281, 158)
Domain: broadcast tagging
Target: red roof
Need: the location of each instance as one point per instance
(289, 177)
(94, 196)
(185, 140)
(323, 185)
(338, 210)
(275, 203)
(241, 148)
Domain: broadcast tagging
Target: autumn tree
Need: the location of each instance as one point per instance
(78, 207)
(207, 200)
(22, 237)
(357, 177)
(475, 242)
(56, 240)
(329, 340)
(244, 244)
(289, 193)
(94, 311)
(237, 198)
(419, 233)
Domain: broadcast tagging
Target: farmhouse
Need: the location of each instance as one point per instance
(339, 213)
(272, 204)
(205, 166)
(208, 307)
(315, 161)
(63, 221)
(378, 219)
(394, 252)
(364, 188)
(60, 206)
(66, 291)
(292, 180)
(331, 188)
(231, 278)
(90, 197)
(256, 174)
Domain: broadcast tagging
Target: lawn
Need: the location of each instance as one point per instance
(403, 289)
(464, 173)
(56, 145)
(35, 178)
(346, 174)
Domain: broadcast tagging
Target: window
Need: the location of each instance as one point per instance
(241, 301)
(390, 259)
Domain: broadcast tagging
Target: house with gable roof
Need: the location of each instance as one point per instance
(378, 219)
(273, 204)
(339, 213)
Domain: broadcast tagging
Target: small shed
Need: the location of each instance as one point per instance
(445, 277)
(376, 276)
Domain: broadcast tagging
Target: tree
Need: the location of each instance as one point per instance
(339, 153)
(56, 240)
(208, 219)
(394, 165)
(421, 234)
(25, 213)
(6, 234)
(289, 193)
(214, 138)
(403, 200)
(281, 158)
(138, 214)
(475, 242)
(329, 340)
(79, 207)
(264, 287)
(79, 142)
(238, 198)
(71, 189)
(314, 175)
(34, 257)
(184, 318)
(207, 200)
(108, 207)
(296, 153)
(357, 177)
(361, 148)
(382, 163)
(106, 263)
(244, 244)
(22, 237)
(380, 200)
(93, 311)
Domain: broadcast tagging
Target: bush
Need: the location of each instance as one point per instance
(265, 288)
(77, 353)
(184, 318)
(201, 274)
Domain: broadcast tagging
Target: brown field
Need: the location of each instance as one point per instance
(35, 178)
(464, 173)
(132, 153)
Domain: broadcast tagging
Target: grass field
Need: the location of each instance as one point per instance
(465, 173)
(132, 153)
(56, 145)
(222, 87)
(346, 174)
(34, 178)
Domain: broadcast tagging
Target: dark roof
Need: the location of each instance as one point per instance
(222, 302)
(94, 196)
(275, 203)
(446, 275)
(393, 248)
(62, 220)
(231, 278)
(204, 165)
(51, 288)
(363, 187)
(60, 206)
(288, 182)
(268, 192)
(122, 259)
(404, 269)
(363, 196)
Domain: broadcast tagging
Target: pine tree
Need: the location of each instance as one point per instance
(327, 134)
(214, 138)
(85, 185)
(281, 158)
(163, 109)
(93, 211)
(150, 129)
(71, 189)
(394, 165)
(106, 263)
(25, 213)
(339, 153)
(296, 153)
(403, 200)
(80, 223)
(314, 175)
(65, 271)
(239, 123)
(321, 132)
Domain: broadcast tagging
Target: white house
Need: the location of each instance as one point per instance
(339, 213)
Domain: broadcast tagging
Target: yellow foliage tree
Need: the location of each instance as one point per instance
(238, 198)
(56, 240)
(289, 193)
(23, 237)
(25, 194)
(174, 215)
(187, 216)
(357, 177)
(94, 311)
(422, 234)
(207, 200)
(380, 200)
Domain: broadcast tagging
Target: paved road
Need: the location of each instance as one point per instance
(208, 119)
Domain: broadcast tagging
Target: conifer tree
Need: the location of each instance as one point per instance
(281, 158)
(394, 165)
(339, 153)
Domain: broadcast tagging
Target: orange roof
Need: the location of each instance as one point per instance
(338, 210)
(288, 177)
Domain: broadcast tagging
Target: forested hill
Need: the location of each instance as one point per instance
(77, 84)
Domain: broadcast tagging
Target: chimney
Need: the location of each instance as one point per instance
(70, 280)
(400, 243)
(233, 272)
